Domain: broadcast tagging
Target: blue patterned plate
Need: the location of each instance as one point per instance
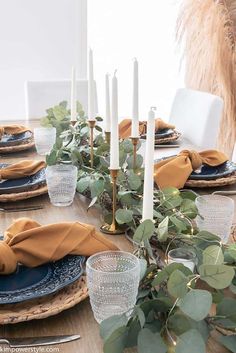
(160, 134)
(30, 283)
(210, 173)
(13, 140)
(22, 184)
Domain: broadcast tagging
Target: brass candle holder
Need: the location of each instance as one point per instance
(135, 141)
(108, 137)
(73, 122)
(113, 227)
(92, 124)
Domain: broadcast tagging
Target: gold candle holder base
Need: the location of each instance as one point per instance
(92, 124)
(108, 137)
(113, 228)
(135, 141)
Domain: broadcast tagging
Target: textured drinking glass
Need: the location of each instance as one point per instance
(44, 138)
(217, 214)
(61, 182)
(113, 280)
(183, 256)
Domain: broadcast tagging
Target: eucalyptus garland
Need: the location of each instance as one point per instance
(173, 312)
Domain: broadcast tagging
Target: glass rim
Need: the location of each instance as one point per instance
(45, 128)
(58, 166)
(112, 252)
(212, 196)
(194, 256)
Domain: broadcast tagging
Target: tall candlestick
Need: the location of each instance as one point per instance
(108, 108)
(135, 112)
(91, 89)
(114, 143)
(149, 168)
(73, 95)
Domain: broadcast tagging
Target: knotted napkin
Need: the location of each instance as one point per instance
(125, 127)
(175, 171)
(31, 244)
(12, 129)
(21, 169)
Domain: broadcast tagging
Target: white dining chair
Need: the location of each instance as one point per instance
(41, 95)
(234, 154)
(197, 116)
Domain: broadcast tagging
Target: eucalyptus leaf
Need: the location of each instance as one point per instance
(143, 268)
(177, 284)
(229, 342)
(139, 161)
(162, 230)
(108, 326)
(217, 276)
(83, 184)
(117, 341)
(196, 304)
(97, 187)
(92, 203)
(213, 255)
(190, 341)
(144, 231)
(149, 341)
(124, 216)
(227, 309)
(189, 209)
(134, 181)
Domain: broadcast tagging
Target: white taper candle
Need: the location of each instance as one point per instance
(108, 106)
(73, 95)
(91, 89)
(114, 143)
(135, 112)
(149, 168)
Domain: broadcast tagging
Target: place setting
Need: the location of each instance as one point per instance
(15, 138)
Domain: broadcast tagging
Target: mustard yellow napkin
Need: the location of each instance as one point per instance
(31, 244)
(12, 129)
(125, 127)
(21, 169)
(175, 171)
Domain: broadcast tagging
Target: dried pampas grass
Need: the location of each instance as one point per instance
(207, 28)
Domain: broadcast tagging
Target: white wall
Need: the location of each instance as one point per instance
(39, 40)
(120, 30)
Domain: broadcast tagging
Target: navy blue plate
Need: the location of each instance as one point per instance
(22, 184)
(210, 173)
(30, 283)
(13, 140)
(163, 133)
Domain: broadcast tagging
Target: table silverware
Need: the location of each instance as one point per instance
(21, 209)
(38, 341)
(167, 146)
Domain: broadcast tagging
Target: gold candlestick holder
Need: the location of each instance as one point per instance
(113, 227)
(73, 122)
(92, 124)
(108, 137)
(135, 141)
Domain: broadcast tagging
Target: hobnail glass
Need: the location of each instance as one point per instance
(61, 181)
(44, 139)
(216, 215)
(113, 280)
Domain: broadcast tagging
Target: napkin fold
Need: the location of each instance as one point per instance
(12, 129)
(31, 244)
(125, 127)
(175, 171)
(21, 169)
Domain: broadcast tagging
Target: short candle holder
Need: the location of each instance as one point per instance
(113, 227)
(92, 124)
(108, 137)
(135, 141)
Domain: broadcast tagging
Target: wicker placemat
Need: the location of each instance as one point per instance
(175, 136)
(227, 180)
(24, 195)
(44, 307)
(18, 148)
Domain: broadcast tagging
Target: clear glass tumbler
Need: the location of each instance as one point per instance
(113, 280)
(44, 138)
(216, 215)
(61, 181)
(183, 256)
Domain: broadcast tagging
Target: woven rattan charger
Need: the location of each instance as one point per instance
(175, 136)
(18, 148)
(227, 180)
(40, 190)
(44, 307)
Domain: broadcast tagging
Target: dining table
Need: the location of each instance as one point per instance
(79, 319)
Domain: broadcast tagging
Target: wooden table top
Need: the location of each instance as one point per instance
(79, 319)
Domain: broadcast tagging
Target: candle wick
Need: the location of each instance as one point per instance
(153, 108)
(135, 59)
(115, 72)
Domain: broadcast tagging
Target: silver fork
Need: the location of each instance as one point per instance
(21, 209)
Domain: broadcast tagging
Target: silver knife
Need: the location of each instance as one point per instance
(38, 341)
